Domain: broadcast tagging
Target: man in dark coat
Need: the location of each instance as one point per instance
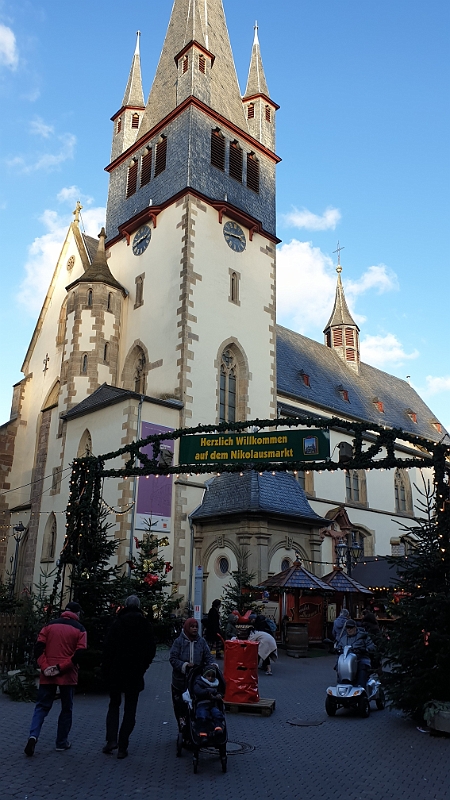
(129, 650)
(212, 629)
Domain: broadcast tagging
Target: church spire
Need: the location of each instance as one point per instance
(98, 271)
(259, 108)
(202, 22)
(134, 94)
(341, 331)
(128, 119)
(256, 82)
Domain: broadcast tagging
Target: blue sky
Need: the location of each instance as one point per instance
(363, 132)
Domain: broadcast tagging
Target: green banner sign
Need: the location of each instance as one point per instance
(232, 448)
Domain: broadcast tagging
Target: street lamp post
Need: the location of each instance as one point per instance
(348, 555)
(18, 535)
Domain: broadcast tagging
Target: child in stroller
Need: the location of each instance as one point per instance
(209, 714)
(205, 725)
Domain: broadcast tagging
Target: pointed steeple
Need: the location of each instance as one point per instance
(128, 119)
(134, 94)
(341, 331)
(256, 82)
(259, 108)
(202, 21)
(98, 271)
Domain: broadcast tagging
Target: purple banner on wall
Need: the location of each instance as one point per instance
(154, 496)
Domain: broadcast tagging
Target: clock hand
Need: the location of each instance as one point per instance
(236, 236)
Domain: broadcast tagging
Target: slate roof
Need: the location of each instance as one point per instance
(91, 246)
(376, 573)
(341, 582)
(256, 82)
(296, 577)
(327, 371)
(225, 95)
(134, 95)
(107, 395)
(252, 493)
(340, 314)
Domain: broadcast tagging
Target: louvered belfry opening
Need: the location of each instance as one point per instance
(202, 64)
(161, 156)
(146, 167)
(132, 178)
(251, 111)
(185, 64)
(337, 337)
(135, 121)
(252, 172)
(218, 149)
(268, 114)
(236, 161)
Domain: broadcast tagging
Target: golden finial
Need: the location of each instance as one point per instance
(76, 213)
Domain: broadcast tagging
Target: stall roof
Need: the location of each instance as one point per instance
(341, 582)
(296, 577)
(376, 573)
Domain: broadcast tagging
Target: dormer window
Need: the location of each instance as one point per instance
(437, 426)
(268, 114)
(185, 64)
(412, 415)
(379, 405)
(304, 377)
(251, 111)
(202, 64)
(135, 121)
(344, 393)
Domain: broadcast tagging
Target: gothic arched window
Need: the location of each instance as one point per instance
(139, 374)
(402, 491)
(355, 485)
(228, 387)
(61, 335)
(84, 364)
(85, 446)
(89, 298)
(49, 541)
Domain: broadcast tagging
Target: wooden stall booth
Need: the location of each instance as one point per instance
(348, 594)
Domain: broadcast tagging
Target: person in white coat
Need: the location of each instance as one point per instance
(267, 648)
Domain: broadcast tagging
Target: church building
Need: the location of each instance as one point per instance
(168, 320)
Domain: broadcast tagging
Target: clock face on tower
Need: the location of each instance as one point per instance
(234, 236)
(141, 240)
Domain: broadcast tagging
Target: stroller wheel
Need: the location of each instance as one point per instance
(224, 764)
(179, 744)
(195, 765)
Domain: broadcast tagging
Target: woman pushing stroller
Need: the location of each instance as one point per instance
(187, 651)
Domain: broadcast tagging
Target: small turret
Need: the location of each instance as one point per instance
(342, 332)
(128, 119)
(194, 61)
(259, 108)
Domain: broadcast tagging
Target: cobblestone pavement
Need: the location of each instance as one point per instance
(340, 758)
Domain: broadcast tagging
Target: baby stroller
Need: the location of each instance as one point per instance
(188, 735)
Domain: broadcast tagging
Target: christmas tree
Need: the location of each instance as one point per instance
(418, 648)
(240, 592)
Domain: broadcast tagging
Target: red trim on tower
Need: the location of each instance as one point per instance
(127, 108)
(223, 208)
(191, 101)
(199, 47)
(264, 97)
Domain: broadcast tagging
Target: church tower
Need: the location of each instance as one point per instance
(342, 332)
(259, 108)
(127, 120)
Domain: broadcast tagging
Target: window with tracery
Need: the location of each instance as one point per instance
(139, 374)
(49, 541)
(355, 485)
(228, 387)
(85, 446)
(402, 491)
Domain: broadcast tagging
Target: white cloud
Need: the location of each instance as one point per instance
(306, 285)
(378, 277)
(46, 161)
(9, 56)
(44, 252)
(436, 385)
(40, 128)
(303, 218)
(385, 350)
(70, 195)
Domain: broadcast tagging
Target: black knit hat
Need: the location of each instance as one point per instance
(75, 608)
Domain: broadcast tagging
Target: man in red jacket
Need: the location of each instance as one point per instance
(57, 652)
